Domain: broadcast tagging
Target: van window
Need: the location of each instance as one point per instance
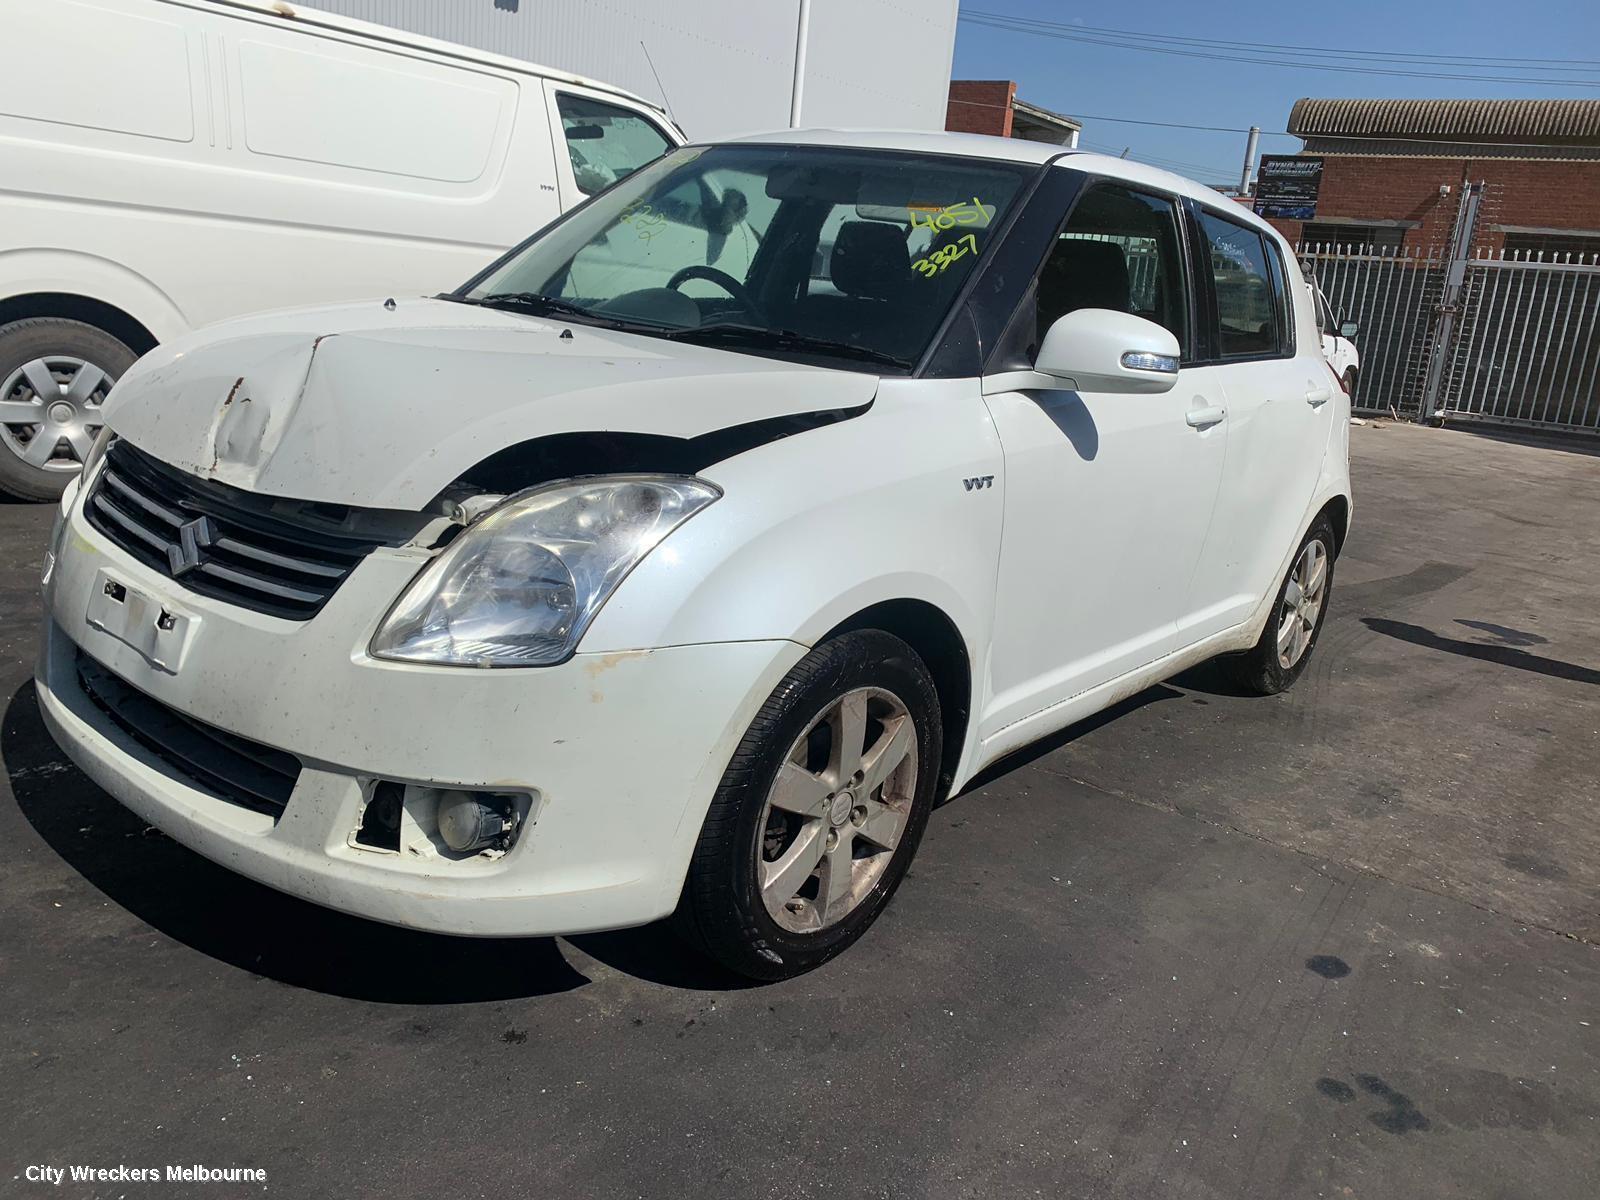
(1249, 310)
(129, 75)
(1118, 250)
(606, 142)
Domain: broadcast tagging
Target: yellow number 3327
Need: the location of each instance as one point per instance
(945, 255)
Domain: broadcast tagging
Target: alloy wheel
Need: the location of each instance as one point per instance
(836, 810)
(1303, 595)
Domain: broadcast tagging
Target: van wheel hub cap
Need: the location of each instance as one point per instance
(50, 411)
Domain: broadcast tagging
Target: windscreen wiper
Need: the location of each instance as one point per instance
(539, 305)
(760, 337)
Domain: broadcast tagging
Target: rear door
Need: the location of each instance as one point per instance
(1278, 397)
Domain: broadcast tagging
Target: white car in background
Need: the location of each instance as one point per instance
(214, 159)
(1338, 342)
(641, 576)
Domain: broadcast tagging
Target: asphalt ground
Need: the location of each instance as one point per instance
(1340, 942)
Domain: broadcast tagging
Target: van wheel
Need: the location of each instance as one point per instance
(1296, 619)
(1350, 384)
(819, 812)
(54, 375)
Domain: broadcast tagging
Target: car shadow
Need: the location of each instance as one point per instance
(1069, 414)
(276, 936)
(1033, 751)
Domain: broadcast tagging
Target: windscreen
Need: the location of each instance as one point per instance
(789, 250)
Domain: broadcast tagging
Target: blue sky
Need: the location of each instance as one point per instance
(1096, 80)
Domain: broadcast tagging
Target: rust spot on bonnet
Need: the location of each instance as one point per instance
(601, 663)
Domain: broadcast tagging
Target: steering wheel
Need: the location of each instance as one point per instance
(722, 279)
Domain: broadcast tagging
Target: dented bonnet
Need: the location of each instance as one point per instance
(384, 407)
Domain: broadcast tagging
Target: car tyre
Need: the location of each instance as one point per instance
(797, 790)
(1350, 384)
(1296, 619)
(71, 357)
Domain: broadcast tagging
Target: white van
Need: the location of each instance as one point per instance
(168, 163)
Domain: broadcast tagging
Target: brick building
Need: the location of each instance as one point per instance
(1393, 169)
(991, 106)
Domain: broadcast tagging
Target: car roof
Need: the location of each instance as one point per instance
(317, 18)
(976, 145)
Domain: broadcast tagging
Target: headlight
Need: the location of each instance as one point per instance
(520, 587)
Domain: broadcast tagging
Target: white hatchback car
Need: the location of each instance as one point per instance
(634, 579)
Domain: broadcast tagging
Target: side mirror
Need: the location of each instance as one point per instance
(1098, 350)
(1349, 330)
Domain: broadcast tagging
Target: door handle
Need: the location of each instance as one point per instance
(1200, 418)
(1318, 396)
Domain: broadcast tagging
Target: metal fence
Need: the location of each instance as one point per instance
(1486, 336)
(1392, 295)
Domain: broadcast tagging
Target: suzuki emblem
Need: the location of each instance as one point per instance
(194, 536)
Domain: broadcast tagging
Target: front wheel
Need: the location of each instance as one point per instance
(1277, 660)
(820, 810)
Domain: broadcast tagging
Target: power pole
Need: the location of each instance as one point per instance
(1249, 159)
(799, 64)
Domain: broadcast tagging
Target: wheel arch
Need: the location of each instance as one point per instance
(929, 631)
(108, 318)
(1337, 510)
(55, 282)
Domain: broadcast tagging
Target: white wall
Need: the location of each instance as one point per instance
(726, 65)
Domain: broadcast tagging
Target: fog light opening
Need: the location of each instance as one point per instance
(380, 819)
(473, 821)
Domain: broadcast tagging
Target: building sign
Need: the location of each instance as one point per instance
(1287, 186)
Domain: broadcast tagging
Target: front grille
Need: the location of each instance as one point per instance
(278, 557)
(227, 766)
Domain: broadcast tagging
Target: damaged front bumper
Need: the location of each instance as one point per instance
(615, 755)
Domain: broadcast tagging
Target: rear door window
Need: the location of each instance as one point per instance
(606, 142)
(1249, 285)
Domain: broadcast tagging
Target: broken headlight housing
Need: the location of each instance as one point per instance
(520, 586)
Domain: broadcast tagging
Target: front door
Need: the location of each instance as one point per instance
(1108, 497)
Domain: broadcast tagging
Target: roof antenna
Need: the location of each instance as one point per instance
(659, 86)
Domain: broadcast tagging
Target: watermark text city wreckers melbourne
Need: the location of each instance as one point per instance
(122, 1173)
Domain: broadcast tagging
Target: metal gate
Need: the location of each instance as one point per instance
(1452, 333)
(1526, 350)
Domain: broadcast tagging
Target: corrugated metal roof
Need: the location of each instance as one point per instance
(1570, 122)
